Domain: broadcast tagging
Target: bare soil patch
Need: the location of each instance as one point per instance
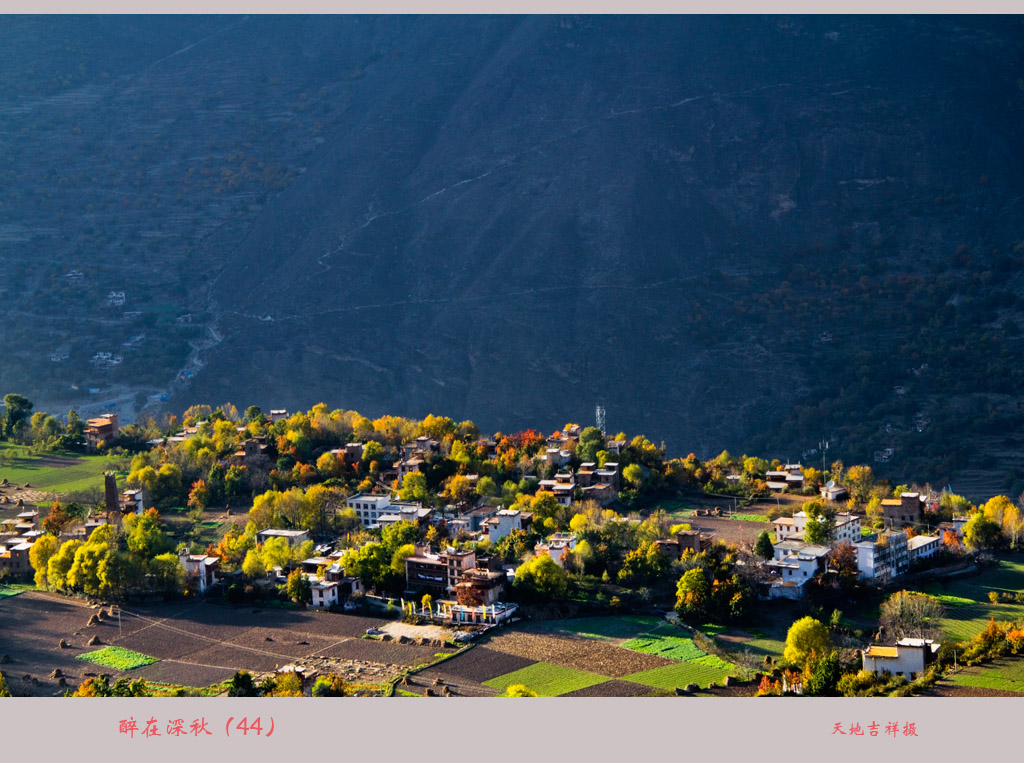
(434, 632)
(612, 689)
(579, 653)
(482, 664)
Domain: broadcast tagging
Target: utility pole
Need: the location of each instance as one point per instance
(823, 445)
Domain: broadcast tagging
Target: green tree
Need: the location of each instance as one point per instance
(692, 594)
(820, 527)
(299, 588)
(414, 487)
(371, 564)
(822, 674)
(542, 577)
(399, 534)
(60, 564)
(806, 635)
(591, 441)
(4, 691)
(145, 538)
(16, 410)
(634, 475)
(39, 556)
(764, 547)
(166, 573)
(242, 684)
(980, 532)
(399, 556)
(252, 565)
(485, 486)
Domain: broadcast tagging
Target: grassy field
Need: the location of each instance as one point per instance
(1005, 675)
(967, 606)
(602, 628)
(692, 671)
(751, 517)
(670, 647)
(65, 473)
(546, 679)
(118, 658)
(13, 589)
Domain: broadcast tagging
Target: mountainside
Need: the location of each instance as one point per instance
(742, 232)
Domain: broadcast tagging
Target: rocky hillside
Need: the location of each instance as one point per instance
(736, 232)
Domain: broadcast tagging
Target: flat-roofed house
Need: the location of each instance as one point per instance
(103, 429)
(907, 658)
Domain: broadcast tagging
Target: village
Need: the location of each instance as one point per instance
(432, 535)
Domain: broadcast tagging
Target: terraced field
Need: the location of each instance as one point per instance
(1006, 675)
(584, 657)
(968, 609)
(547, 680)
(56, 474)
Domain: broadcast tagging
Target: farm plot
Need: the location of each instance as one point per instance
(56, 474)
(701, 671)
(118, 658)
(967, 607)
(185, 674)
(611, 689)
(381, 651)
(481, 664)
(1006, 675)
(578, 653)
(670, 647)
(601, 628)
(547, 680)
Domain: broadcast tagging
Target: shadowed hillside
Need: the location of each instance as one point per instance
(735, 232)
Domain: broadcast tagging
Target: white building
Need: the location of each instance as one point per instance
(292, 536)
(883, 555)
(557, 547)
(502, 524)
(369, 508)
(907, 658)
(847, 528)
(325, 594)
(200, 571)
(923, 546)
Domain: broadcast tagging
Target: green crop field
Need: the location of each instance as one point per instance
(968, 609)
(601, 628)
(60, 474)
(546, 679)
(13, 589)
(670, 647)
(1005, 675)
(750, 517)
(689, 672)
(118, 658)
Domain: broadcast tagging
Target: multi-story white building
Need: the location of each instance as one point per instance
(369, 508)
(883, 555)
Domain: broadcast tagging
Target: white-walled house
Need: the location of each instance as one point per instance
(325, 594)
(908, 658)
(883, 555)
(796, 563)
(923, 546)
(369, 508)
(502, 524)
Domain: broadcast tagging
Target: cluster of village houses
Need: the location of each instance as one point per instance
(468, 587)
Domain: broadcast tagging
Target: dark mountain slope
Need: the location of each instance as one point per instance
(521, 219)
(739, 232)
